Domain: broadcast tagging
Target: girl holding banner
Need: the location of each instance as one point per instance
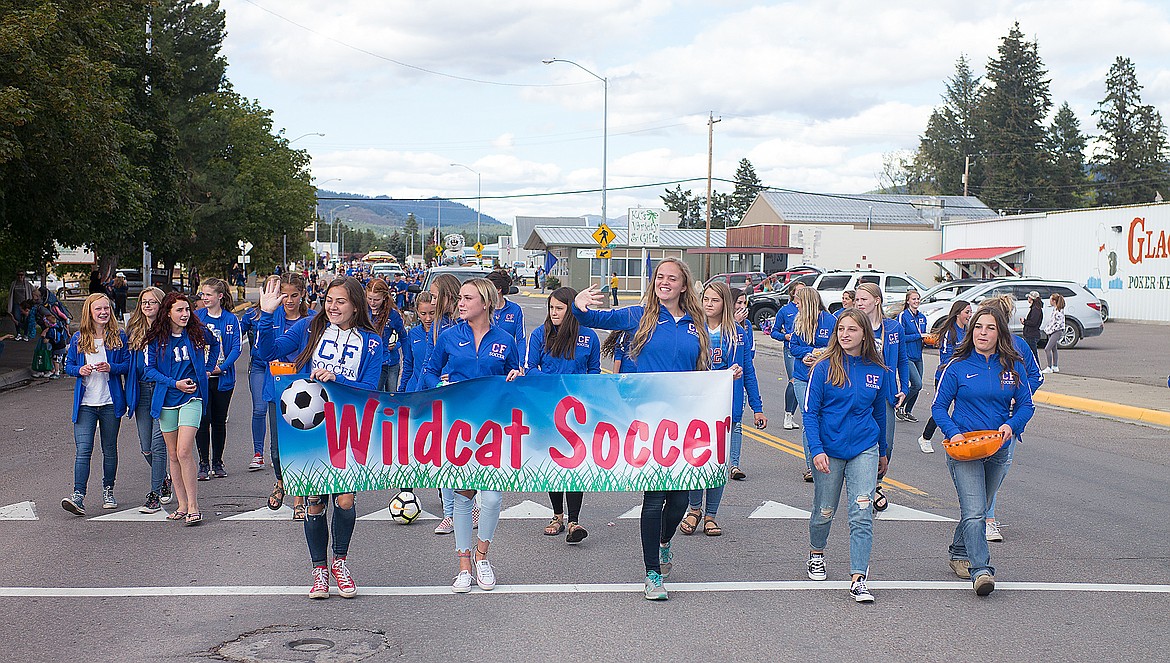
(844, 420)
(562, 347)
(338, 345)
(463, 352)
(666, 335)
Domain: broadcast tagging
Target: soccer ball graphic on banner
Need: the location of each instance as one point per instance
(404, 508)
(303, 404)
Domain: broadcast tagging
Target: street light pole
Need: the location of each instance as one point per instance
(285, 238)
(478, 197)
(317, 219)
(604, 139)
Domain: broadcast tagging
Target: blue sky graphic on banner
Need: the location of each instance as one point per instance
(652, 431)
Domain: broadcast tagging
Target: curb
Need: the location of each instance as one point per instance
(15, 377)
(1143, 415)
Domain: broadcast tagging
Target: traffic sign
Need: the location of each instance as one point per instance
(603, 235)
(478, 248)
(604, 253)
(244, 259)
(245, 246)
(438, 250)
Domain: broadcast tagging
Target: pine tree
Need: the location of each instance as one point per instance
(950, 136)
(747, 187)
(1132, 160)
(1010, 125)
(1066, 149)
(688, 207)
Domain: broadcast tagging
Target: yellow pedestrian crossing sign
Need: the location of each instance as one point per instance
(604, 253)
(478, 248)
(438, 250)
(603, 235)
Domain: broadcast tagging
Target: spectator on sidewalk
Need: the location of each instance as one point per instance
(613, 288)
(95, 283)
(120, 291)
(19, 292)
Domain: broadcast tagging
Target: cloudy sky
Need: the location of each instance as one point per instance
(813, 93)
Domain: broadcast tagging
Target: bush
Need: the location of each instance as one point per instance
(552, 283)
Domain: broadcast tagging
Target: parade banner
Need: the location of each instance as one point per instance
(626, 432)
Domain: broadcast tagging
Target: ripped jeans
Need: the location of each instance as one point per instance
(317, 527)
(859, 474)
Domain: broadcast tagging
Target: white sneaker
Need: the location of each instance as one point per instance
(1047, 369)
(926, 445)
(485, 576)
(789, 423)
(462, 583)
(991, 531)
(1055, 369)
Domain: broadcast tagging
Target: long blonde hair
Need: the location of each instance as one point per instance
(110, 337)
(835, 354)
(139, 326)
(447, 301)
(689, 302)
(809, 308)
(727, 325)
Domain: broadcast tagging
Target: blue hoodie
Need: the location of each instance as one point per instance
(894, 354)
(227, 331)
(172, 359)
(394, 325)
(785, 319)
(983, 395)
(947, 345)
(119, 361)
(510, 318)
(586, 357)
(844, 421)
(724, 356)
(673, 346)
(801, 348)
(353, 355)
(457, 357)
(280, 325)
(416, 350)
(913, 328)
(1031, 366)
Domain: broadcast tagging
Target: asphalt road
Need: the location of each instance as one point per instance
(1085, 505)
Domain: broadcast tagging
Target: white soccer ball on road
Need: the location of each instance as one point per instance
(303, 404)
(404, 508)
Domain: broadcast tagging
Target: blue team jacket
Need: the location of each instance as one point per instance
(510, 318)
(119, 361)
(801, 348)
(984, 396)
(913, 328)
(416, 349)
(671, 348)
(279, 323)
(339, 358)
(894, 354)
(749, 382)
(586, 357)
(227, 330)
(394, 325)
(785, 318)
(162, 369)
(457, 357)
(842, 422)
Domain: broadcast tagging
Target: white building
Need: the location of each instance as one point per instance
(1120, 253)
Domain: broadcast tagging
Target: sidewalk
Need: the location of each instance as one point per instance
(1112, 398)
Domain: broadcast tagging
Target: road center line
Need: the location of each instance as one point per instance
(577, 588)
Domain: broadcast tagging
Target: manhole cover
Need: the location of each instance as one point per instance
(293, 644)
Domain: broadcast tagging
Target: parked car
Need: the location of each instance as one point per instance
(158, 279)
(464, 273)
(386, 270)
(944, 293)
(830, 285)
(1082, 309)
(746, 281)
(55, 284)
(763, 306)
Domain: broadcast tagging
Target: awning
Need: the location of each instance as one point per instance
(747, 249)
(979, 254)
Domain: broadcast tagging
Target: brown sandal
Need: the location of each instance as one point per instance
(711, 528)
(555, 526)
(690, 522)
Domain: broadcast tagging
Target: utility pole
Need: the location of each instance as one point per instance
(966, 173)
(710, 160)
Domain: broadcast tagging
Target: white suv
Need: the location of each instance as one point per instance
(830, 285)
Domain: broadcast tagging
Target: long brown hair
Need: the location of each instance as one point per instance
(356, 294)
(221, 288)
(377, 286)
(160, 331)
(951, 324)
(835, 354)
(447, 302)
(809, 307)
(611, 343)
(1003, 339)
(297, 281)
(111, 339)
(688, 301)
(906, 299)
(727, 326)
(561, 341)
(138, 327)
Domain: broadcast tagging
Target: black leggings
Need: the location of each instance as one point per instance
(573, 497)
(662, 511)
(273, 443)
(212, 435)
(931, 427)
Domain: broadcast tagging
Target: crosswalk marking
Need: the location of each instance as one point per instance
(635, 512)
(772, 509)
(384, 514)
(527, 509)
(264, 513)
(132, 515)
(19, 511)
(899, 512)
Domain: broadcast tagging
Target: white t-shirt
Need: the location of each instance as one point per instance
(96, 385)
(339, 352)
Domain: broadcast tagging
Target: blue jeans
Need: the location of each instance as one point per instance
(259, 408)
(802, 393)
(662, 511)
(714, 497)
(976, 482)
(1008, 466)
(736, 444)
(448, 497)
(915, 385)
(89, 419)
(859, 474)
(150, 438)
(790, 402)
(489, 516)
(388, 380)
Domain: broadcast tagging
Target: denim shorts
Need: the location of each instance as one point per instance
(187, 414)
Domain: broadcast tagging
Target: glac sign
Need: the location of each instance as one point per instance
(643, 226)
(1143, 244)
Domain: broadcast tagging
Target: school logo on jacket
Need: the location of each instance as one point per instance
(499, 350)
(873, 381)
(892, 338)
(824, 334)
(691, 329)
(1008, 379)
(583, 341)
